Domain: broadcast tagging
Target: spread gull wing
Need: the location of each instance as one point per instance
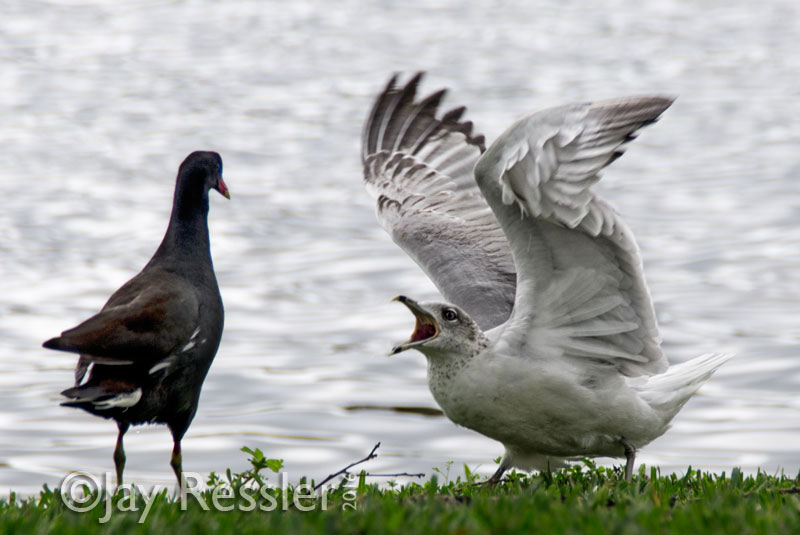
(581, 290)
(419, 167)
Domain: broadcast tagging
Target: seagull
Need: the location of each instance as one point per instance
(149, 349)
(548, 341)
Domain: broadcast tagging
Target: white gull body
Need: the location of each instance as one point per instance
(548, 342)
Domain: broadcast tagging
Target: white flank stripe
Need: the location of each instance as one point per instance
(160, 366)
(126, 400)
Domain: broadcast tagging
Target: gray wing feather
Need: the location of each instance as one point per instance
(581, 290)
(419, 168)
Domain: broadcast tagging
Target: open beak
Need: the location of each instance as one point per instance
(425, 330)
(223, 188)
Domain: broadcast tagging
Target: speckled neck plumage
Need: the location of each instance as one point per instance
(444, 366)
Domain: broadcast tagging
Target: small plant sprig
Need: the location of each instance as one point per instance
(258, 462)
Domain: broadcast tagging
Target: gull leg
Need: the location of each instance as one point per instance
(630, 456)
(498, 475)
(119, 452)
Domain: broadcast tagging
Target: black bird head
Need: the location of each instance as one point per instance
(203, 167)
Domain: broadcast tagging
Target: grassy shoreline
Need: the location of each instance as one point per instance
(584, 499)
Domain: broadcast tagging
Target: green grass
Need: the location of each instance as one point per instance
(585, 499)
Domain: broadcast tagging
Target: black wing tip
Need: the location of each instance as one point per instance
(415, 80)
(480, 142)
(392, 83)
(661, 103)
(668, 100)
(649, 107)
(432, 101)
(655, 105)
(451, 118)
(655, 101)
(392, 89)
(394, 94)
(615, 156)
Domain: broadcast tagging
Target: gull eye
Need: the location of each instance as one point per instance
(449, 314)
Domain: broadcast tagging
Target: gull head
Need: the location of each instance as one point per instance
(441, 329)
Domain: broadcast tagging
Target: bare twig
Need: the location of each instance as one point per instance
(345, 471)
(401, 474)
(790, 490)
(489, 483)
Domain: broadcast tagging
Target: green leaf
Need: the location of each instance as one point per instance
(275, 464)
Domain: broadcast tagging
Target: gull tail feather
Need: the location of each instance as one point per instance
(670, 390)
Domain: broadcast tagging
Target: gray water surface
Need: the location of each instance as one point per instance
(100, 102)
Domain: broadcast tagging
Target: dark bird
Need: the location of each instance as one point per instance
(149, 349)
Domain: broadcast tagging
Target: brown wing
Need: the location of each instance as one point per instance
(142, 321)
